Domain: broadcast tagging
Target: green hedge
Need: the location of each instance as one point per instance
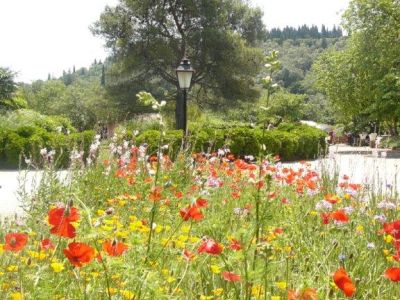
(289, 141)
(29, 140)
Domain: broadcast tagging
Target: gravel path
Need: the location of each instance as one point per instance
(380, 173)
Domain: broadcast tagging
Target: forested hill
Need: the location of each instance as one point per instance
(304, 32)
(298, 50)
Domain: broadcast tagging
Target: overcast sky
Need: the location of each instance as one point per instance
(38, 37)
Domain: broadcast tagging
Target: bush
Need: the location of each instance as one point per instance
(289, 141)
(28, 141)
(392, 142)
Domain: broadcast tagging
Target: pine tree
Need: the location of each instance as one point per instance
(103, 76)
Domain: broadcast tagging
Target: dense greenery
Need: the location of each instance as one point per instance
(79, 96)
(289, 141)
(148, 39)
(362, 81)
(24, 133)
(304, 32)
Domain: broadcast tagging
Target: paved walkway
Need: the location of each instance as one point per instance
(360, 163)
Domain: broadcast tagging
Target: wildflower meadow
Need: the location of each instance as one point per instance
(137, 225)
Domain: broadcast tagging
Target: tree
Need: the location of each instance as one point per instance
(7, 84)
(148, 39)
(10, 96)
(362, 80)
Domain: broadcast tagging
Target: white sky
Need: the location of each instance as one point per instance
(38, 37)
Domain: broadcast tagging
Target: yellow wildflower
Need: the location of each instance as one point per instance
(388, 239)
(215, 269)
(218, 292)
(281, 285)
(16, 296)
(127, 294)
(57, 267)
(12, 268)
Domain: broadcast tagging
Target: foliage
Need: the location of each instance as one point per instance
(304, 32)
(26, 117)
(390, 142)
(26, 142)
(149, 38)
(296, 142)
(7, 84)
(363, 78)
(84, 101)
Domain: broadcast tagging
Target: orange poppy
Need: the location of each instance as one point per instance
(333, 199)
(393, 274)
(191, 212)
(343, 282)
(61, 218)
(230, 276)
(114, 248)
(340, 216)
(15, 241)
(305, 294)
(155, 194)
(188, 255)
(79, 253)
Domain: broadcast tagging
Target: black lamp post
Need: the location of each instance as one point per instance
(184, 73)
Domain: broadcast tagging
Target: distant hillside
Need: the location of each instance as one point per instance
(297, 56)
(304, 32)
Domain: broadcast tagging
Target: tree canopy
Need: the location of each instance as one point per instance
(363, 80)
(148, 39)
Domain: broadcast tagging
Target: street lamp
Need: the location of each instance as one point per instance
(184, 73)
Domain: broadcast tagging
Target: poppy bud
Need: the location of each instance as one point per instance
(70, 203)
(29, 261)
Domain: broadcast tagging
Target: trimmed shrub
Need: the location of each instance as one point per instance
(290, 142)
(28, 141)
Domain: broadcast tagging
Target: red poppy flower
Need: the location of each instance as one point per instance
(201, 202)
(325, 217)
(114, 248)
(79, 253)
(235, 245)
(46, 244)
(15, 241)
(210, 247)
(393, 229)
(393, 274)
(230, 276)
(191, 212)
(61, 218)
(306, 294)
(340, 216)
(343, 282)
